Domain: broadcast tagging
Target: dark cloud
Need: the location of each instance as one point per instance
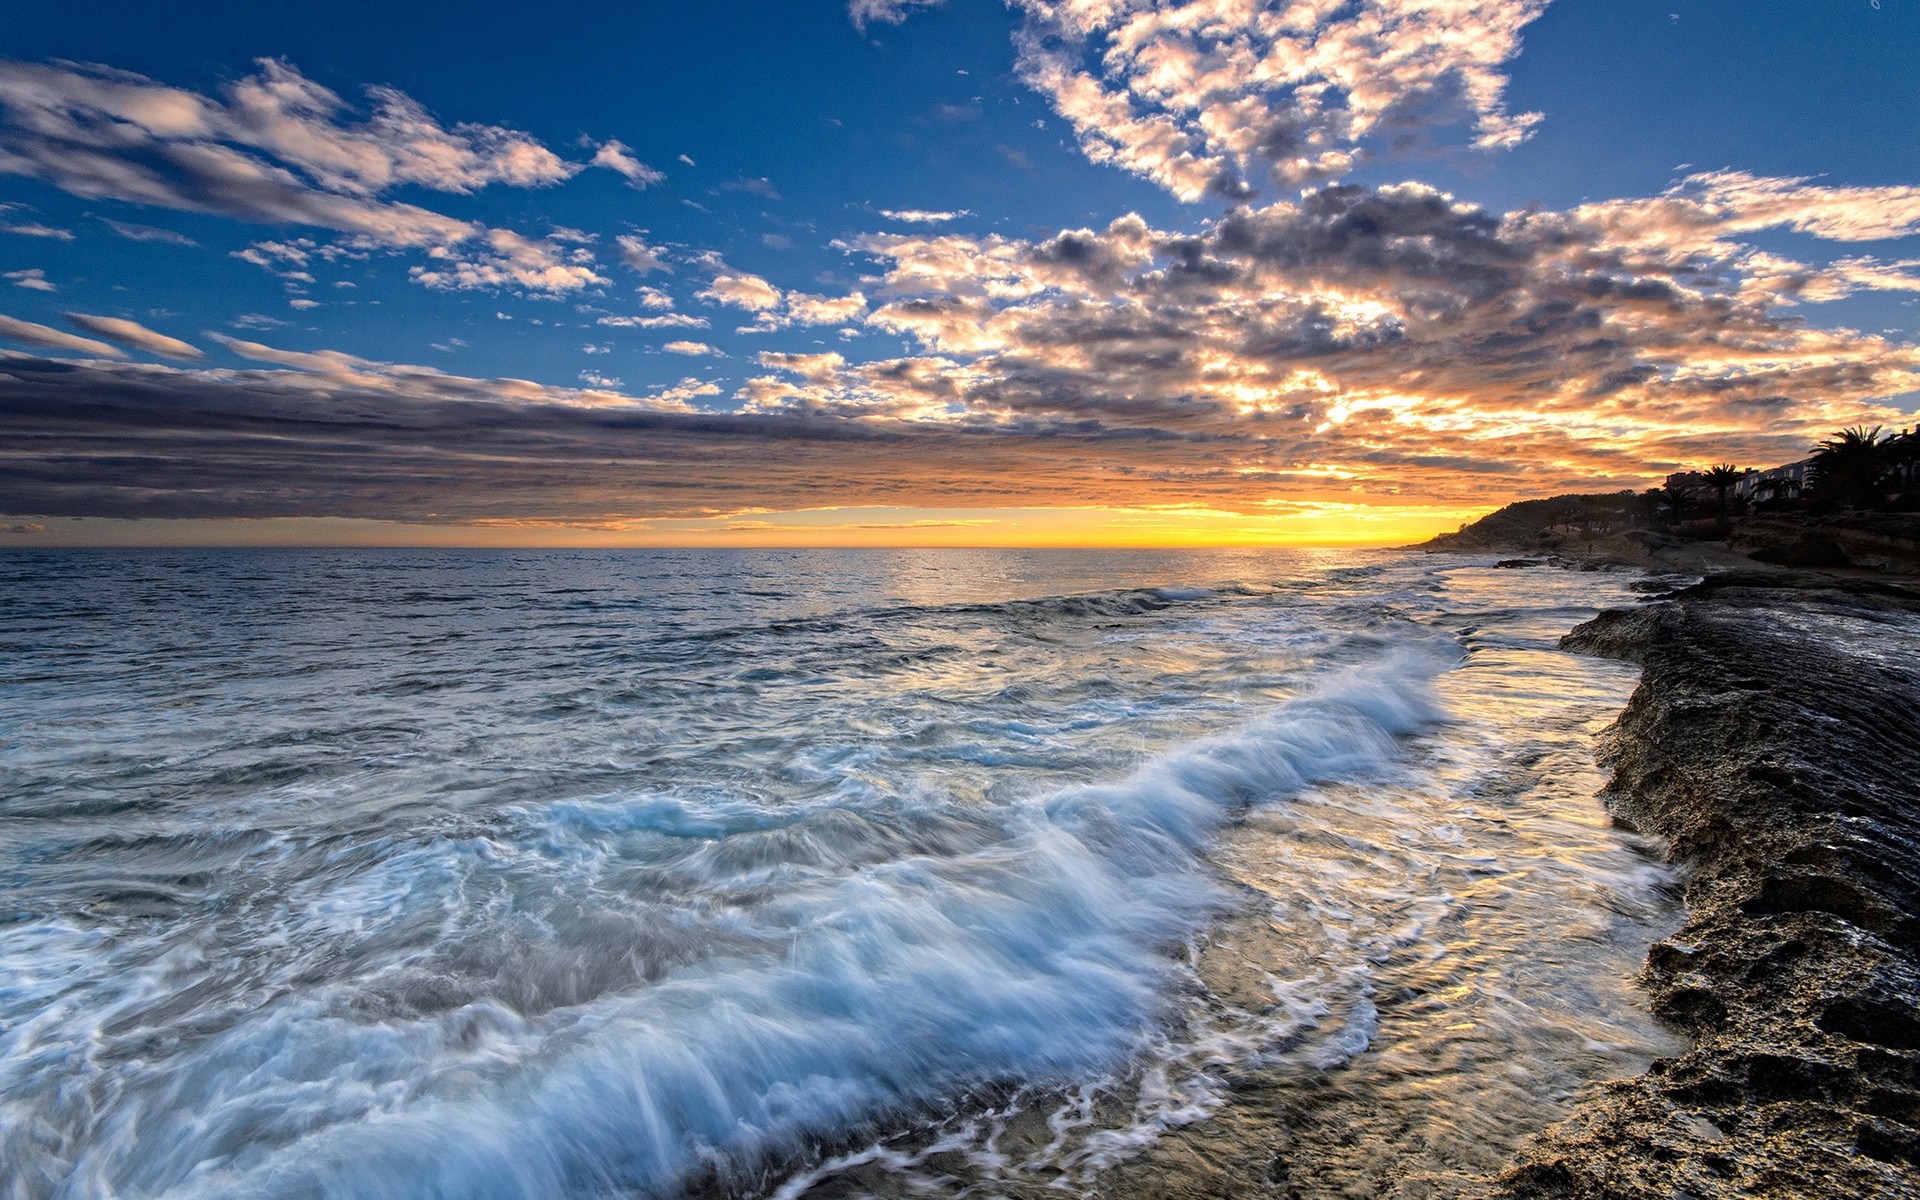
(148, 442)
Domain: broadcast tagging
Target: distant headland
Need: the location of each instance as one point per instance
(1855, 503)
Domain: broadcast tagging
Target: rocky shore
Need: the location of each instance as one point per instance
(1876, 542)
(1774, 742)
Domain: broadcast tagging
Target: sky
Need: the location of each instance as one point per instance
(914, 272)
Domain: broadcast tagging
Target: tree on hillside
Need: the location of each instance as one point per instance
(1721, 479)
(1848, 467)
(1678, 497)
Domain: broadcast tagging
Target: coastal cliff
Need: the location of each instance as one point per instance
(1774, 742)
(1540, 529)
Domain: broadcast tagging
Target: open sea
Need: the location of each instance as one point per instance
(556, 874)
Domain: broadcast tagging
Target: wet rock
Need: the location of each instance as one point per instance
(1775, 743)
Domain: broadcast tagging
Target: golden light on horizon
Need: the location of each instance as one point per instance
(1312, 523)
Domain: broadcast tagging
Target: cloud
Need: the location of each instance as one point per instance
(279, 149)
(595, 379)
(391, 442)
(34, 229)
(692, 349)
(146, 233)
(136, 335)
(818, 368)
(922, 216)
(1739, 201)
(616, 157)
(1398, 334)
(805, 309)
(885, 12)
(665, 321)
(1204, 96)
(635, 253)
(29, 334)
(24, 529)
(738, 289)
(32, 278)
(758, 187)
(802, 308)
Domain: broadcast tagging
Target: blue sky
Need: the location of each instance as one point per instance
(781, 230)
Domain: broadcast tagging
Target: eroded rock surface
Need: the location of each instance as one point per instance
(1775, 743)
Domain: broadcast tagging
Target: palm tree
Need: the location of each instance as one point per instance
(1848, 467)
(1679, 498)
(1721, 479)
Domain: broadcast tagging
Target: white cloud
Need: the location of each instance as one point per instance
(667, 321)
(136, 335)
(741, 290)
(691, 349)
(617, 157)
(804, 309)
(923, 216)
(33, 278)
(34, 229)
(815, 368)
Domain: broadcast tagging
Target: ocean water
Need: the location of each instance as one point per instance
(963, 873)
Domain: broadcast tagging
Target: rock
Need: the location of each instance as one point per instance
(1774, 742)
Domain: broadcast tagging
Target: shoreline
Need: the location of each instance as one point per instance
(1774, 743)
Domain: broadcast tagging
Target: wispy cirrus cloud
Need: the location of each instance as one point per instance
(34, 229)
(135, 232)
(885, 12)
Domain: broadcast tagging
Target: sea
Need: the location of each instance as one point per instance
(534, 875)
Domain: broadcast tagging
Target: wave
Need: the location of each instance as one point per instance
(870, 964)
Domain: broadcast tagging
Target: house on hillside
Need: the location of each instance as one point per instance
(1778, 482)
